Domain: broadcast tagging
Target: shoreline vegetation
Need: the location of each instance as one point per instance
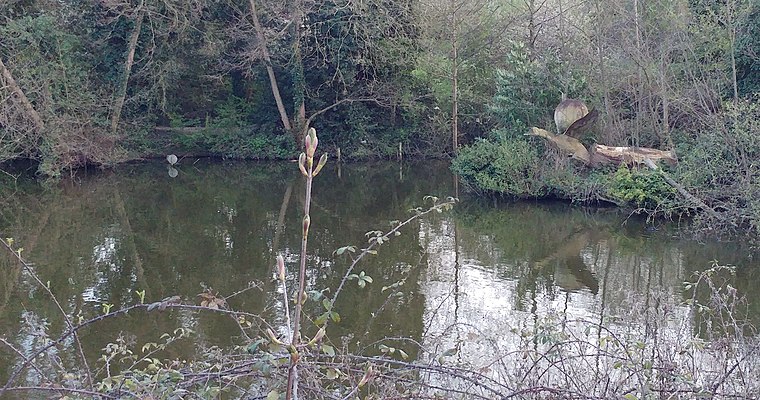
(99, 83)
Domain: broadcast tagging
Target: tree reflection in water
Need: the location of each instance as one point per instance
(475, 280)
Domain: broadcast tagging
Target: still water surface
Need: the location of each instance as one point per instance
(485, 268)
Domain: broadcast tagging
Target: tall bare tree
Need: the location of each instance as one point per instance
(460, 32)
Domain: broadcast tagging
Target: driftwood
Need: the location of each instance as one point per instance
(568, 112)
(599, 154)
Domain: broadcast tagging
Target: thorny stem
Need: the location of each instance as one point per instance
(123, 311)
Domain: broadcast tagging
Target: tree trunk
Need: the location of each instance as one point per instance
(455, 100)
(121, 98)
(599, 154)
(733, 65)
(15, 88)
(638, 90)
(270, 71)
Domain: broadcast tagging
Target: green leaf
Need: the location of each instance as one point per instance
(322, 319)
(253, 347)
(273, 395)
(630, 397)
(344, 249)
(329, 350)
(334, 316)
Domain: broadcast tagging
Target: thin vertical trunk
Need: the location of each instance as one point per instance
(454, 83)
(268, 63)
(665, 139)
(602, 68)
(531, 29)
(121, 97)
(668, 141)
(300, 80)
(733, 65)
(732, 21)
(638, 88)
(455, 103)
(15, 88)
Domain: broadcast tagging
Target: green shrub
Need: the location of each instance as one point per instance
(529, 88)
(247, 143)
(509, 167)
(642, 188)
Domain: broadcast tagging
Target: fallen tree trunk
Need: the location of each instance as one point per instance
(599, 154)
(685, 193)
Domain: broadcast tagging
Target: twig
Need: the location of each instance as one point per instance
(93, 394)
(369, 249)
(30, 270)
(73, 330)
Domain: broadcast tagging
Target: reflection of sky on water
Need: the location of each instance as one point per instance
(106, 263)
(474, 307)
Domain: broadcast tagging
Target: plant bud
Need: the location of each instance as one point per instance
(307, 143)
(322, 162)
(311, 142)
(306, 223)
(273, 337)
(281, 267)
(302, 164)
(320, 334)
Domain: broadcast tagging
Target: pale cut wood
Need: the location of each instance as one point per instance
(601, 154)
(565, 143)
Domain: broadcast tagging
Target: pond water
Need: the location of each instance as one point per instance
(481, 270)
